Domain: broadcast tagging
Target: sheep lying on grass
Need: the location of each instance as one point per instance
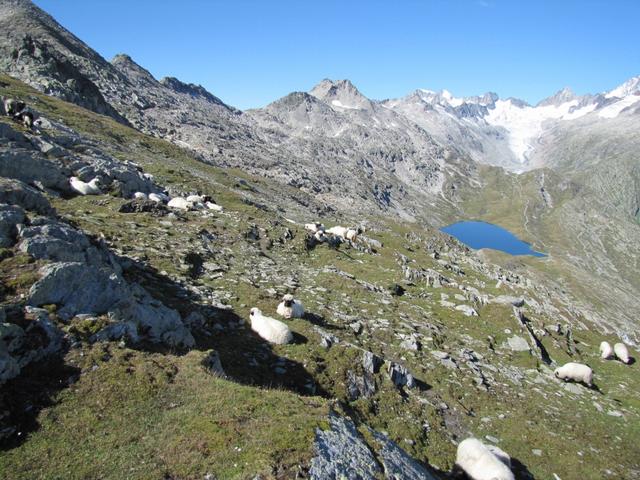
(272, 330)
(482, 462)
(290, 307)
(575, 372)
(180, 203)
(83, 188)
(622, 352)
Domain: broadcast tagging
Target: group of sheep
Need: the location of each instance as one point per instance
(333, 235)
(191, 202)
(18, 111)
(272, 330)
(579, 372)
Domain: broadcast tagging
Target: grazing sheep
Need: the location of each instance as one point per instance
(290, 308)
(314, 227)
(83, 188)
(605, 350)
(622, 352)
(575, 372)
(140, 196)
(158, 197)
(194, 199)
(272, 330)
(483, 462)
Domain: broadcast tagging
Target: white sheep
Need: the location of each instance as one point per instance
(483, 462)
(180, 203)
(213, 206)
(290, 307)
(272, 330)
(622, 352)
(352, 234)
(140, 196)
(314, 227)
(83, 188)
(158, 197)
(575, 372)
(605, 350)
(345, 233)
(338, 231)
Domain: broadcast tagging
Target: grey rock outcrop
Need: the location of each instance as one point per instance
(10, 216)
(342, 453)
(15, 192)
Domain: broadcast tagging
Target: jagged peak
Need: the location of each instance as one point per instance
(341, 94)
(630, 87)
(193, 90)
(561, 96)
(125, 63)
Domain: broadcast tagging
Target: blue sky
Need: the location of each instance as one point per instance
(251, 52)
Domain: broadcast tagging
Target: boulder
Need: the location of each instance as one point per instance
(342, 453)
(30, 167)
(518, 344)
(15, 192)
(78, 288)
(10, 216)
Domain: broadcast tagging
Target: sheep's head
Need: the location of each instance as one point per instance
(254, 312)
(73, 179)
(288, 300)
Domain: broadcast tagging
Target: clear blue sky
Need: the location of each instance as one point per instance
(250, 53)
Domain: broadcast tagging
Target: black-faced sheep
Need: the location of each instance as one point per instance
(290, 307)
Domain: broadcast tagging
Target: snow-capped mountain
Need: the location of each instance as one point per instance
(506, 132)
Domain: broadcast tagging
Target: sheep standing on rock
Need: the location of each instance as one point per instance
(622, 352)
(483, 462)
(575, 372)
(290, 307)
(605, 350)
(272, 330)
(83, 188)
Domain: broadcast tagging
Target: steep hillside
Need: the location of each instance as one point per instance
(441, 355)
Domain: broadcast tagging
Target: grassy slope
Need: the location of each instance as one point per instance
(166, 411)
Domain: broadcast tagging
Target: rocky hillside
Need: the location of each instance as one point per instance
(125, 343)
(126, 349)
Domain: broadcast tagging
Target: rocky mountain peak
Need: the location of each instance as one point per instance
(630, 87)
(125, 64)
(562, 96)
(196, 91)
(341, 94)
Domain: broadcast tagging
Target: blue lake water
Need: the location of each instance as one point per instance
(487, 235)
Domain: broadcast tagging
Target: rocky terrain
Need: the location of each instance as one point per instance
(125, 349)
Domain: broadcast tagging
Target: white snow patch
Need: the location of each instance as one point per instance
(525, 124)
(339, 104)
(627, 88)
(613, 110)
